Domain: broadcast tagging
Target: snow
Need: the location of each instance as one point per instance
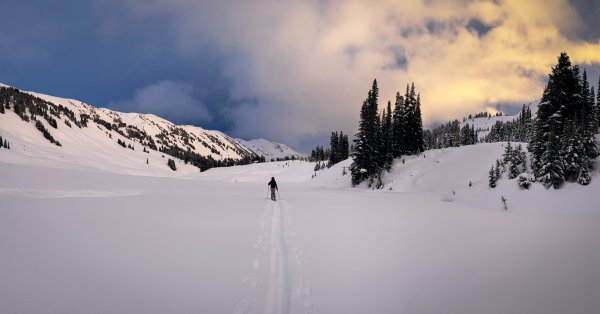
(89, 227)
(91, 237)
(483, 125)
(220, 146)
(270, 150)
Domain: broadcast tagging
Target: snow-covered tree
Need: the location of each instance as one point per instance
(563, 126)
(367, 143)
(492, 178)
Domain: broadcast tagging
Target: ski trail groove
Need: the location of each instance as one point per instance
(278, 294)
(276, 283)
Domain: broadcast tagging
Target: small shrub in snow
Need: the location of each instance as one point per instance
(524, 181)
(171, 164)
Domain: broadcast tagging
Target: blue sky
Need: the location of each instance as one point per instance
(294, 71)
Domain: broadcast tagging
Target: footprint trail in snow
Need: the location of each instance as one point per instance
(276, 284)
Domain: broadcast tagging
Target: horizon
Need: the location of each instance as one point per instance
(293, 73)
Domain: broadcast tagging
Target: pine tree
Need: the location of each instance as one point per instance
(419, 143)
(595, 111)
(561, 102)
(507, 156)
(387, 137)
(498, 173)
(411, 121)
(1, 143)
(367, 141)
(571, 150)
(589, 120)
(492, 178)
(584, 177)
(522, 157)
(598, 101)
(344, 146)
(552, 172)
(335, 148)
(398, 127)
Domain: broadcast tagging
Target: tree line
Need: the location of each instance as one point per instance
(382, 137)
(518, 130)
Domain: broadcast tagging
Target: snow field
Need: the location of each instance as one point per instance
(79, 239)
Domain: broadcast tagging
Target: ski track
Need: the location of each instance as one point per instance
(276, 284)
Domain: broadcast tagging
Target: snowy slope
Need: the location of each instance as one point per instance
(447, 172)
(270, 150)
(85, 240)
(96, 145)
(483, 125)
(94, 229)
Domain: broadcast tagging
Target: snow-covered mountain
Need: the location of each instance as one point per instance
(270, 150)
(484, 124)
(68, 128)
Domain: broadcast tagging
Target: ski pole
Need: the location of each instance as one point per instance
(278, 195)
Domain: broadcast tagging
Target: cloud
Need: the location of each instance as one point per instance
(302, 68)
(167, 99)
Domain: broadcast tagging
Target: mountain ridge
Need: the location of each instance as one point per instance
(70, 123)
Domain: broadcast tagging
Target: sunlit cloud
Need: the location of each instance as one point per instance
(302, 68)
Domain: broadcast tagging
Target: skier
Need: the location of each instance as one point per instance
(273, 185)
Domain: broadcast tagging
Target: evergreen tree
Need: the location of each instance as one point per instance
(419, 143)
(598, 101)
(344, 146)
(335, 148)
(584, 177)
(1, 143)
(588, 120)
(595, 111)
(398, 127)
(492, 178)
(516, 163)
(499, 171)
(587, 116)
(367, 144)
(410, 142)
(466, 138)
(571, 151)
(551, 171)
(561, 102)
(387, 137)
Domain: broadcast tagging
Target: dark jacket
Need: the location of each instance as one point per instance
(272, 184)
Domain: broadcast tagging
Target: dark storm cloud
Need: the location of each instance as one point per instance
(589, 10)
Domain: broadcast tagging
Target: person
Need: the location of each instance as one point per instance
(273, 185)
